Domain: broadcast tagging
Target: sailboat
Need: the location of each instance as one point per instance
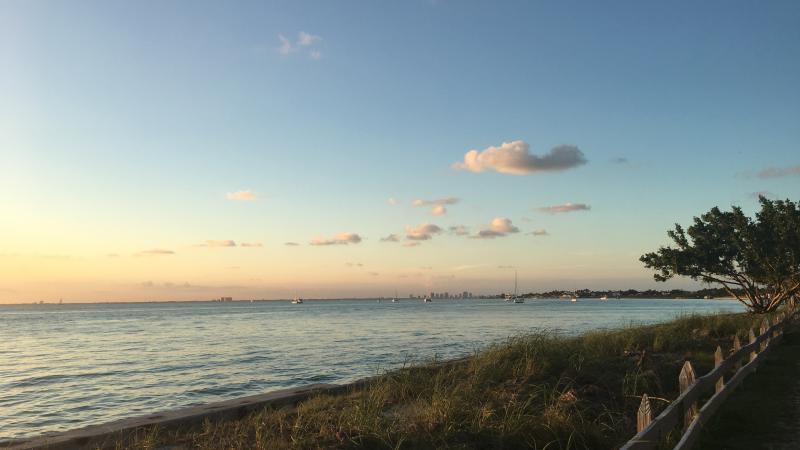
(297, 300)
(394, 299)
(516, 298)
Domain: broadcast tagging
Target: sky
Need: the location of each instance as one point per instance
(186, 150)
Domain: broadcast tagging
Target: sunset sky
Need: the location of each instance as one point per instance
(188, 150)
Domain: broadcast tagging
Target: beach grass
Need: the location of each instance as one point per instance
(542, 391)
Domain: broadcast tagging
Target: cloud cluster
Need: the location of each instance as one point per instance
(499, 227)
(422, 232)
(777, 172)
(340, 239)
(390, 238)
(304, 40)
(565, 208)
(437, 205)
(515, 158)
(247, 195)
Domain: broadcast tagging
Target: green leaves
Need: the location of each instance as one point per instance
(755, 260)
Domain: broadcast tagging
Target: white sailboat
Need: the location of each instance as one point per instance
(394, 299)
(516, 298)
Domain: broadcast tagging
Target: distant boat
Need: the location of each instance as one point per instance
(574, 298)
(297, 301)
(394, 299)
(516, 298)
(605, 297)
(426, 300)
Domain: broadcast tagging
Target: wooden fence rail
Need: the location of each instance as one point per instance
(683, 410)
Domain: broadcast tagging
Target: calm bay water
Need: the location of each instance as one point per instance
(68, 366)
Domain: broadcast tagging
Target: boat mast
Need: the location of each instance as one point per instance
(515, 282)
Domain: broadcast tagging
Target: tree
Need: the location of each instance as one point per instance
(755, 260)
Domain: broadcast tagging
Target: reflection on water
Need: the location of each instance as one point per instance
(68, 366)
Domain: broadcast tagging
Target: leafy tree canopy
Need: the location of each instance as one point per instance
(755, 260)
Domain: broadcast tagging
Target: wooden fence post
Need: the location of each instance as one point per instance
(737, 345)
(686, 379)
(763, 331)
(644, 415)
(753, 353)
(717, 361)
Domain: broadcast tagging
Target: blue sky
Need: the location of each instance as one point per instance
(124, 125)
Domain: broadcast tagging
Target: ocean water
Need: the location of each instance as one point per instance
(68, 366)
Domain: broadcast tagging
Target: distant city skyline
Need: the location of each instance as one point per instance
(195, 150)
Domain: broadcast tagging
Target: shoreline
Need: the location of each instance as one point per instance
(187, 420)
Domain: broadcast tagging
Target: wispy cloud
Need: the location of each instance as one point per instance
(619, 160)
(340, 239)
(155, 252)
(304, 40)
(499, 227)
(437, 205)
(286, 46)
(291, 244)
(247, 195)
(390, 238)
(350, 264)
(217, 243)
(412, 244)
(422, 232)
(515, 158)
(565, 208)
(777, 172)
(252, 244)
(539, 232)
(458, 230)
(393, 201)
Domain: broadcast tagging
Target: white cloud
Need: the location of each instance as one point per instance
(422, 232)
(515, 158)
(340, 239)
(305, 39)
(499, 227)
(391, 238)
(286, 45)
(247, 195)
(565, 208)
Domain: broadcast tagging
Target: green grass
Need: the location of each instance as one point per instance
(764, 413)
(540, 391)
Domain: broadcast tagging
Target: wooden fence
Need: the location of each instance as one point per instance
(684, 410)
